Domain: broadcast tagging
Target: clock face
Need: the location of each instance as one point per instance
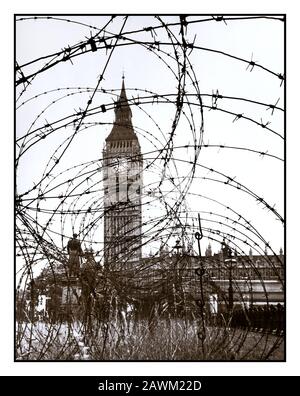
(123, 164)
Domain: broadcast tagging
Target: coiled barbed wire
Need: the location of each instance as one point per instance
(150, 311)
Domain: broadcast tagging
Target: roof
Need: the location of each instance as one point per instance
(122, 128)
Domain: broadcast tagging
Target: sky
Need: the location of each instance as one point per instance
(230, 147)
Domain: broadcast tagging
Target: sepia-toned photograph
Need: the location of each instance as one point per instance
(150, 187)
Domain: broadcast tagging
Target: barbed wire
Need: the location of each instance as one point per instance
(160, 300)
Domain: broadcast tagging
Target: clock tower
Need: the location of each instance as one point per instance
(122, 182)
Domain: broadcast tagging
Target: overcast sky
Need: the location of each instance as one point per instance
(259, 40)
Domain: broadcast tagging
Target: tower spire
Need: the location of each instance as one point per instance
(122, 128)
(122, 109)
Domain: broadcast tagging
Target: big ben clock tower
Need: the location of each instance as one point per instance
(123, 165)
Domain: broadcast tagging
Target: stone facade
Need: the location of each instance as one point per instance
(123, 167)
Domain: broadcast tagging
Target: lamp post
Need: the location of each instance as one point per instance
(201, 303)
(176, 279)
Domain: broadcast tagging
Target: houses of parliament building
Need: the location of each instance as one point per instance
(255, 279)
